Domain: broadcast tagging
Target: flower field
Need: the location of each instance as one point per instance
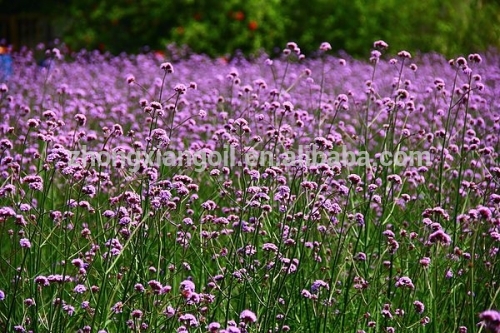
(286, 244)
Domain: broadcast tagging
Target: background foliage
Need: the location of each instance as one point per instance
(220, 27)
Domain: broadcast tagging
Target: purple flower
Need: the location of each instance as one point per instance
(325, 46)
(405, 282)
(2, 295)
(78, 263)
(213, 327)
(136, 314)
(25, 243)
(80, 289)
(169, 312)
(306, 293)
(380, 44)
(139, 287)
(404, 54)
(189, 319)
(187, 285)
(354, 179)
(117, 308)
(439, 236)
(155, 286)
(269, 247)
(29, 302)
(419, 307)
(248, 316)
(70, 310)
(42, 280)
(425, 261)
(167, 67)
(361, 256)
(491, 320)
(315, 287)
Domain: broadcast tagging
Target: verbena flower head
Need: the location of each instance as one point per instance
(189, 319)
(419, 307)
(405, 282)
(315, 287)
(491, 320)
(167, 67)
(25, 243)
(380, 44)
(325, 46)
(404, 54)
(248, 316)
(213, 327)
(439, 236)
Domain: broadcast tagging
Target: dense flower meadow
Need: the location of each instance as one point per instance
(275, 246)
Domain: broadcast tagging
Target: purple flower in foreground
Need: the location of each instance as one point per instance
(189, 318)
(80, 289)
(319, 284)
(380, 44)
(325, 46)
(70, 310)
(169, 312)
(404, 54)
(42, 280)
(425, 261)
(2, 295)
(233, 329)
(270, 247)
(24, 242)
(136, 314)
(29, 302)
(187, 285)
(405, 282)
(213, 327)
(155, 286)
(440, 236)
(182, 329)
(248, 316)
(167, 67)
(491, 320)
(187, 288)
(419, 307)
(117, 308)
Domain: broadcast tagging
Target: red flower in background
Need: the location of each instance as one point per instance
(160, 55)
(239, 15)
(252, 25)
(197, 16)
